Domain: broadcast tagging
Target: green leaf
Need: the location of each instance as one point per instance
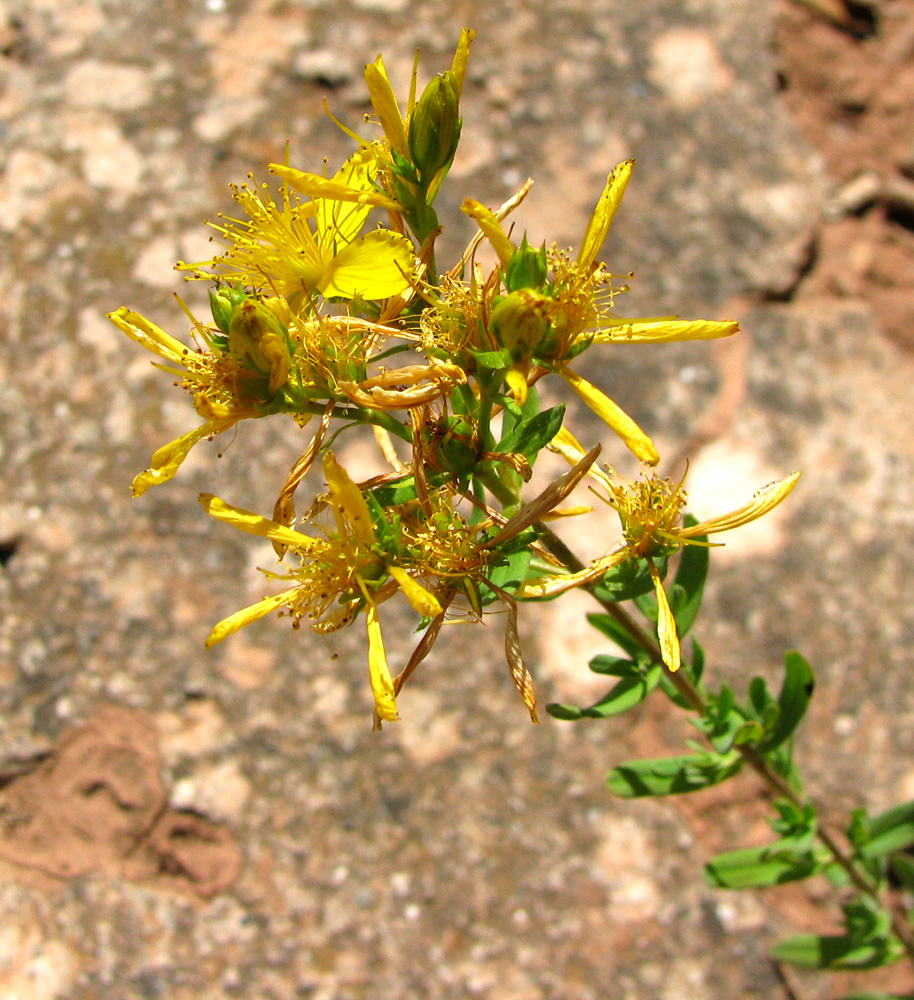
(628, 580)
(762, 867)
(614, 666)
(672, 775)
(566, 713)
(890, 831)
(538, 432)
(630, 691)
(618, 633)
(493, 360)
(690, 576)
(793, 700)
(507, 575)
(839, 951)
(902, 868)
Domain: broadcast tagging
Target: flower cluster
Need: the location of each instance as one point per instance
(311, 315)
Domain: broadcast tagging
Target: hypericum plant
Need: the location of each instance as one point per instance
(335, 327)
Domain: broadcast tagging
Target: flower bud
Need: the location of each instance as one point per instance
(434, 126)
(452, 445)
(223, 302)
(258, 339)
(520, 322)
(526, 268)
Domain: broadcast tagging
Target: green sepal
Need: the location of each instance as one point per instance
(672, 775)
(495, 361)
(630, 691)
(527, 267)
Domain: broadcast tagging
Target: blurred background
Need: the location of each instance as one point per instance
(192, 825)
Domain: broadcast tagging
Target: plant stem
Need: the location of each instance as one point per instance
(775, 783)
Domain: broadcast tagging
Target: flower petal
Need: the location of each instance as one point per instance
(385, 105)
(374, 266)
(666, 623)
(245, 616)
(488, 222)
(347, 497)
(254, 524)
(152, 337)
(765, 499)
(382, 685)
(461, 57)
(422, 600)
(653, 331)
(552, 586)
(613, 415)
(167, 460)
(319, 187)
(602, 217)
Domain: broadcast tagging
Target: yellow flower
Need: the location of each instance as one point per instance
(340, 572)
(297, 249)
(650, 510)
(209, 375)
(574, 311)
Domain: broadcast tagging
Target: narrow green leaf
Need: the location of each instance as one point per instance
(799, 684)
(507, 575)
(761, 867)
(613, 630)
(493, 360)
(626, 694)
(567, 713)
(672, 775)
(839, 951)
(538, 432)
(890, 831)
(902, 868)
(614, 666)
(628, 580)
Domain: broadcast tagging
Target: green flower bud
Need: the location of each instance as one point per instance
(434, 126)
(258, 339)
(526, 268)
(520, 323)
(223, 302)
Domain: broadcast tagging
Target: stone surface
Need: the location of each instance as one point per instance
(463, 852)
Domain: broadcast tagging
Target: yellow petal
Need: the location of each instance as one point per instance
(613, 415)
(422, 600)
(382, 685)
(254, 524)
(639, 331)
(602, 217)
(239, 619)
(385, 105)
(517, 383)
(374, 266)
(347, 497)
(666, 623)
(568, 446)
(552, 586)
(489, 224)
(152, 337)
(316, 186)
(765, 499)
(167, 460)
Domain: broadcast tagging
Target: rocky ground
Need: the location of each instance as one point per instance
(197, 825)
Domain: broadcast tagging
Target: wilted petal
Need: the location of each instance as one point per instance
(152, 337)
(239, 619)
(602, 217)
(167, 460)
(461, 57)
(422, 600)
(653, 331)
(488, 222)
(666, 623)
(382, 685)
(519, 672)
(765, 499)
(254, 524)
(613, 415)
(552, 586)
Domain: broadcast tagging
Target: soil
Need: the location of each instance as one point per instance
(850, 90)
